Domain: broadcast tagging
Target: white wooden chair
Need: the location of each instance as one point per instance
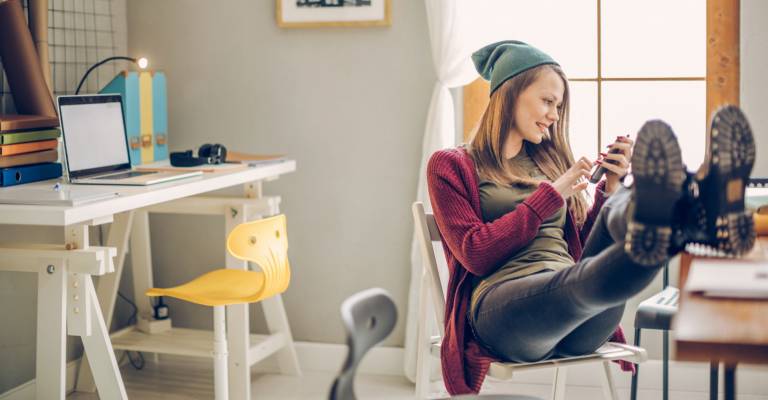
(429, 345)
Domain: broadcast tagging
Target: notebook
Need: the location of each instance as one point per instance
(734, 279)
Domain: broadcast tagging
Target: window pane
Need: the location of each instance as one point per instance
(653, 38)
(627, 105)
(566, 30)
(583, 119)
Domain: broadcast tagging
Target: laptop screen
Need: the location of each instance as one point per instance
(94, 134)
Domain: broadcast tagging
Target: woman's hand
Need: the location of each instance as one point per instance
(616, 162)
(572, 181)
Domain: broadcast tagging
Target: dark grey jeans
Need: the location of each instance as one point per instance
(568, 312)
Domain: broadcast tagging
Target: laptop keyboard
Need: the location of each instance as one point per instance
(124, 175)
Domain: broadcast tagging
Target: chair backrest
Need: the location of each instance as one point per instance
(265, 243)
(427, 233)
(369, 317)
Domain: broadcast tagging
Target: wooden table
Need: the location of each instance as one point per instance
(729, 331)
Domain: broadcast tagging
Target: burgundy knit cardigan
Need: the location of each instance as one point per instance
(478, 248)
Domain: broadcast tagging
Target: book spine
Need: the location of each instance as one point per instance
(29, 173)
(20, 148)
(29, 158)
(9, 123)
(29, 136)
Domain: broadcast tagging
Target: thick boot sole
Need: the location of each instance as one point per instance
(730, 227)
(657, 169)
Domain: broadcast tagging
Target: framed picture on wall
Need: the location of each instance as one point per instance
(325, 13)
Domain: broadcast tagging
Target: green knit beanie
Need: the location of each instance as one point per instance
(500, 61)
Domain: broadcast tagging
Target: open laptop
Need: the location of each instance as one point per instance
(96, 146)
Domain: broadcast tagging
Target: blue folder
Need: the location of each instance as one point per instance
(160, 116)
(126, 84)
(29, 173)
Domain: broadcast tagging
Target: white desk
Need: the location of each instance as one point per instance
(68, 303)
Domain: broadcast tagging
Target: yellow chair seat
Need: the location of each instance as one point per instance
(218, 288)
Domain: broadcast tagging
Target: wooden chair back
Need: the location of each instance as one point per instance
(428, 234)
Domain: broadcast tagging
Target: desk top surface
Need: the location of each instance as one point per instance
(730, 330)
(135, 197)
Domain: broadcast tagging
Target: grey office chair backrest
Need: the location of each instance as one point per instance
(369, 317)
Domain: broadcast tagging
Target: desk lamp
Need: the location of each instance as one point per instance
(141, 62)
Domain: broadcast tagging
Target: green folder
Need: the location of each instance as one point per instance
(29, 136)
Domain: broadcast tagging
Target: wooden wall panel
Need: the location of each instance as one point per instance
(475, 100)
(722, 54)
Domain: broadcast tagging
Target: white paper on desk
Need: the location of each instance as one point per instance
(756, 197)
(735, 279)
(67, 195)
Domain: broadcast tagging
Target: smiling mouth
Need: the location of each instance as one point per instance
(542, 128)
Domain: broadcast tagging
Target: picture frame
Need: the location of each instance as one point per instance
(333, 13)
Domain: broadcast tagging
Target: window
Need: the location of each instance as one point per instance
(627, 62)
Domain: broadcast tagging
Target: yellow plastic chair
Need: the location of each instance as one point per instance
(263, 243)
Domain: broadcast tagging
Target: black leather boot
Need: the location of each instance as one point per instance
(717, 217)
(690, 218)
(658, 173)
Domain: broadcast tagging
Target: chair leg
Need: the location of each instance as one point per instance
(423, 344)
(714, 375)
(558, 386)
(665, 367)
(277, 321)
(636, 375)
(609, 386)
(221, 384)
(423, 372)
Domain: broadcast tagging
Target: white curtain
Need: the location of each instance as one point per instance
(451, 53)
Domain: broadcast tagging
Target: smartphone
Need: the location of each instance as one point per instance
(600, 170)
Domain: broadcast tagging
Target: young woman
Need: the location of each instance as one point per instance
(535, 272)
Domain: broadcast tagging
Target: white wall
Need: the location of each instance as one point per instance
(348, 104)
(754, 79)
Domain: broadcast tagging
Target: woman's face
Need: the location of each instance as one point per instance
(538, 105)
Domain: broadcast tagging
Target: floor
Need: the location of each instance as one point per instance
(173, 380)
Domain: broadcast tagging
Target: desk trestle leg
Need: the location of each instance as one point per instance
(51, 331)
(101, 356)
(84, 319)
(106, 290)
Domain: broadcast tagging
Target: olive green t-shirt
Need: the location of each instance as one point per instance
(547, 251)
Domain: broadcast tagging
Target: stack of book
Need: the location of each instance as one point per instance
(28, 149)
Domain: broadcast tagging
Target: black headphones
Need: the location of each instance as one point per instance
(206, 154)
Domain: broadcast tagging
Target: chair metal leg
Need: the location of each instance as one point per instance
(713, 377)
(558, 386)
(665, 367)
(221, 381)
(636, 375)
(609, 386)
(730, 381)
